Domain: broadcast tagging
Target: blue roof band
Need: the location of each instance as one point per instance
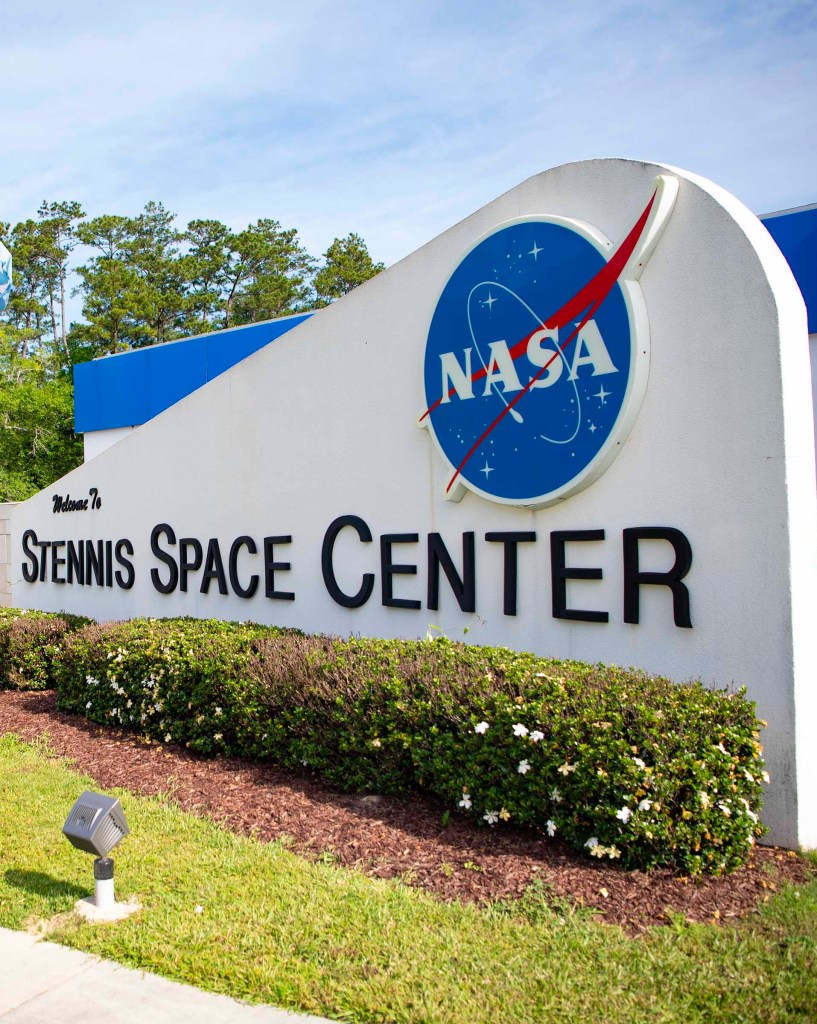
(795, 232)
(131, 388)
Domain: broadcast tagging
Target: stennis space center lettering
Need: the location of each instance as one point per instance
(246, 568)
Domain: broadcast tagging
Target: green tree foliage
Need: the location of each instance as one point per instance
(268, 273)
(28, 310)
(41, 250)
(347, 264)
(143, 281)
(146, 282)
(58, 224)
(37, 441)
(208, 242)
(116, 302)
(135, 283)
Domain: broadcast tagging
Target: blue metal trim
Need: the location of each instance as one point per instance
(130, 388)
(795, 232)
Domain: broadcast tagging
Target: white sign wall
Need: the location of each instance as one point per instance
(685, 388)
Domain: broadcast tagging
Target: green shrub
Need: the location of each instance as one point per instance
(29, 643)
(174, 679)
(620, 764)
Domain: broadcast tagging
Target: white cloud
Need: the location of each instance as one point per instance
(394, 120)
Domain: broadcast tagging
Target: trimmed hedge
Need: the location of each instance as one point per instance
(29, 644)
(619, 763)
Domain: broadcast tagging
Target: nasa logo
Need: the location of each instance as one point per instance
(537, 355)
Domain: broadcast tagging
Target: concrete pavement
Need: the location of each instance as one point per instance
(43, 983)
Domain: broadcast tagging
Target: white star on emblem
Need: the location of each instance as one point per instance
(535, 251)
(489, 301)
(486, 469)
(602, 395)
(593, 428)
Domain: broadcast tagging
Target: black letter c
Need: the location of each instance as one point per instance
(366, 587)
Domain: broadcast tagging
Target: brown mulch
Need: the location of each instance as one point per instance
(389, 837)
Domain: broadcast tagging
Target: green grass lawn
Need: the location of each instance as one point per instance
(314, 937)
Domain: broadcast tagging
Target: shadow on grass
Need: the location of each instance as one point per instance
(40, 884)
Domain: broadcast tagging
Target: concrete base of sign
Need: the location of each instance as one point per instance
(107, 915)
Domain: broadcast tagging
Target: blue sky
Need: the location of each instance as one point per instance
(393, 119)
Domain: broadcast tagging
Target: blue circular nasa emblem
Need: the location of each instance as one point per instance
(536, 362)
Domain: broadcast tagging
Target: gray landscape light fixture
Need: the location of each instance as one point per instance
(96, 824)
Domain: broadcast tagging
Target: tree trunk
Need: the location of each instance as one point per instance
(62, 314)
(53, 313)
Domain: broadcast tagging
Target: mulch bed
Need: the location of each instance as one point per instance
(390, 837)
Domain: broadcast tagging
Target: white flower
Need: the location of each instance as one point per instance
(523, 767)
(566, 769)
(749, 810)
(87, 705)
(304, 762)
(218, 711)
(482, 728)
(722, 749)
(556, 795)
(613, 852)
(536, 736)
(592, 843)
(765, 777)
(466, 802)
(492, 817)
(639, 762)
(726, 810)
(199, 909)
(168, 737)
(375, 743)
(645, 805)
(551, 827)
(520, 730)
(704, 798)
(624, 814)
(218, 737)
